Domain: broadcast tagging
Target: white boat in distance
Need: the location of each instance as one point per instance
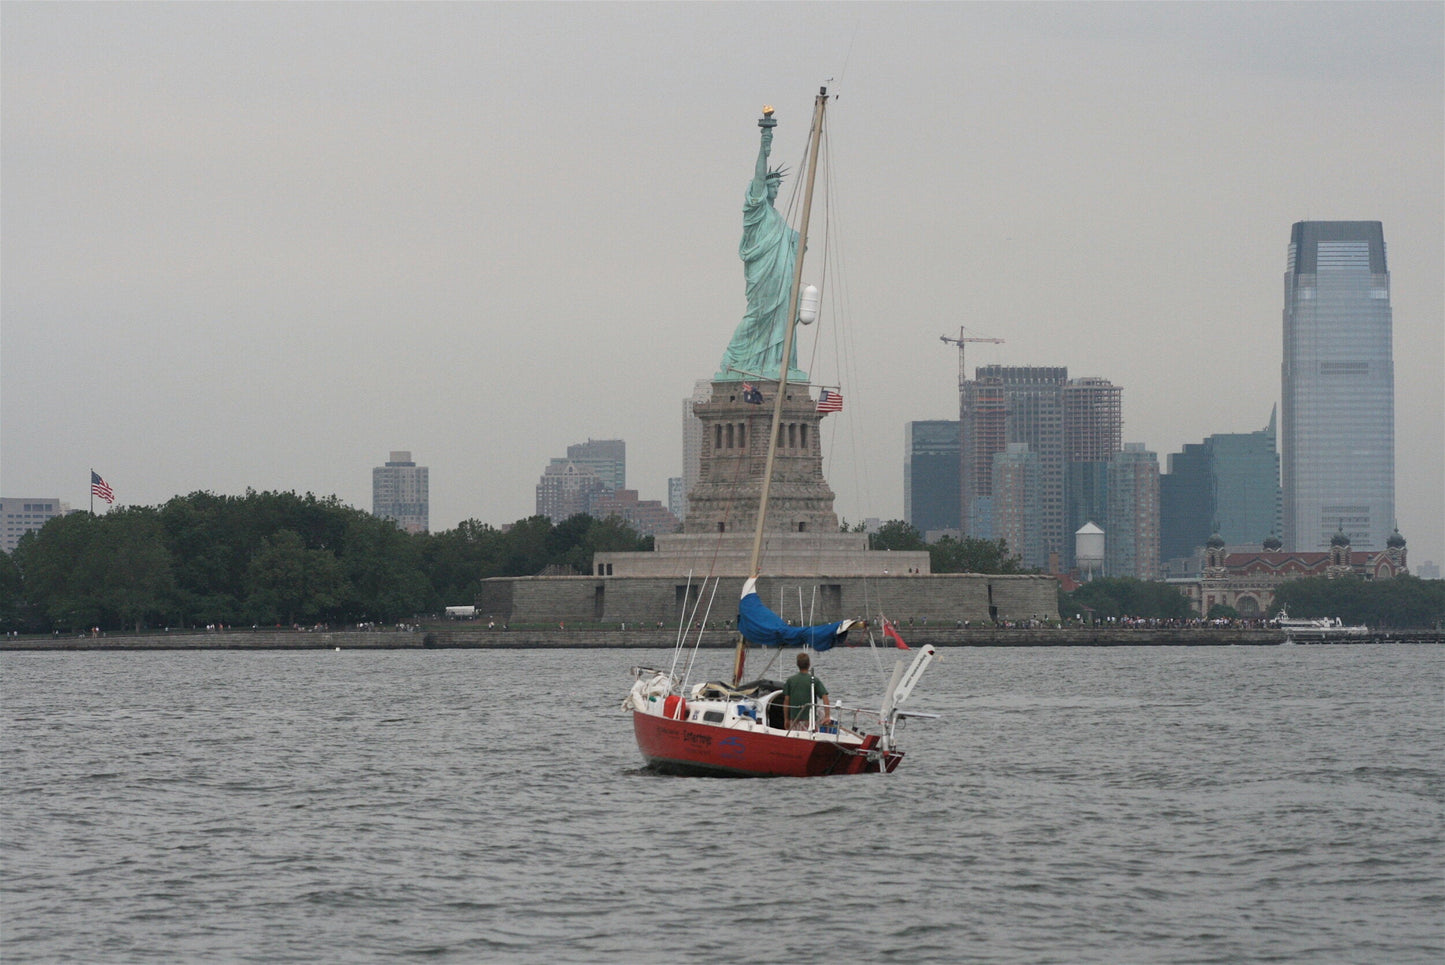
(1318, 628)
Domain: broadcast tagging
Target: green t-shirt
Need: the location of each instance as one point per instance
(801, 690)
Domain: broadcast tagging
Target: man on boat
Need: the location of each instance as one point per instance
(769, 251)
(800, 692)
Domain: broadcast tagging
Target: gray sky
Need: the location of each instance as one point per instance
(263, 245)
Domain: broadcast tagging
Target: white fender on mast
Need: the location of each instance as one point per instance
(808, 305)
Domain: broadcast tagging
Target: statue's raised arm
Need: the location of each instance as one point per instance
(769, 251)
(765, 145)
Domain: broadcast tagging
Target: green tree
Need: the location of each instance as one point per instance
(138, 585)
(384, 580)
(527, 549)
(897, 535)
(12, 595)
(1127, 597)
(971, 555)
(62, 568)
(1401, 602)
(455, 561)
(288, 581)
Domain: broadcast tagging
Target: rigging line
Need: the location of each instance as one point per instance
(681, 622)
(839, 301)
(849, 360)
(687, 674)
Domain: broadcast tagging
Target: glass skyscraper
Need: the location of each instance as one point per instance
(930, 475)
(1227, 484)
(1337, 406)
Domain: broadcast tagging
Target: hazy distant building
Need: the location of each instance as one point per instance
(1227, 484)
(1004, 405)
(1132, 543)
(930, 475)
(400, 492)
(23, 514)
(648, 516)
(1337, 418)
(1186, 501)
(1247, 497)
(1017, 502)
(607, 458)
(567, 489)
(1247, 580)
(1093, 429)
(1428, 570)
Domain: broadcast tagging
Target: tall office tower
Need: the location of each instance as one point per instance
(1246, 485)
(1228, 484)
(930, 475)
(1007, 404)
(22, 514)
(1186, 501)
(400, 492)
(607, 458)
(1132, 532)
(1337, 414)
(1017, 503)
(692, 433)
(983, 419)
(1093, 429)
(567, 489)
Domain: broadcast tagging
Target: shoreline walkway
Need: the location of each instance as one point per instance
(482, 638)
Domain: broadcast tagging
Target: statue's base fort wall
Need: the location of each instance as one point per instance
(939, 599)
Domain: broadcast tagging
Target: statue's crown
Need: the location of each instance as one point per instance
(778, 173)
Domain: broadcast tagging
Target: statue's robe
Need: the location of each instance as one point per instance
(769, 251)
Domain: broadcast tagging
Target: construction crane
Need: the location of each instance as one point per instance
(960, 342)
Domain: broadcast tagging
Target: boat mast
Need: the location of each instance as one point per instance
(815, 136)
(814, 139)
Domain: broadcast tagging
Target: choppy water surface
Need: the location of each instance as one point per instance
(1142, 805)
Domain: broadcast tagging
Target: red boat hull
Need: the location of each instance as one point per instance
(686, 747)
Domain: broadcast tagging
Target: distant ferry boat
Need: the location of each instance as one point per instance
(1317, 627)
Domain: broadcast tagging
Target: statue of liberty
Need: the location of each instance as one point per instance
(769, 251)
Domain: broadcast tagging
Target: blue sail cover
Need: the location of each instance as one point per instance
(763, 627)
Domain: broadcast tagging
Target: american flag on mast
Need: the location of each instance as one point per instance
(830, 401)
(99, 487)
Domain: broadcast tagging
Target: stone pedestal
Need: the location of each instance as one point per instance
(735, 452)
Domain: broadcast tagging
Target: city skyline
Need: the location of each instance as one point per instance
(238, 254)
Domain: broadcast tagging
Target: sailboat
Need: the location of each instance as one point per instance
(737, 729)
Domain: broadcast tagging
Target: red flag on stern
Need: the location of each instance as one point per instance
(890, 633)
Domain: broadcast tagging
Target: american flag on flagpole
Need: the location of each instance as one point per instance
(830, 401)
(99, 487)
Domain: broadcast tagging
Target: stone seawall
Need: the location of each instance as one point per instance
(480, 638)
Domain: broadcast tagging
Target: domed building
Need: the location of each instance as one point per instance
(1247, 581)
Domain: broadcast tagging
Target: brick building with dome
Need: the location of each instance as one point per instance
(1246, 581)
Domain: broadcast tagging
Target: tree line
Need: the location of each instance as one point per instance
(278, 558)
(271, 558)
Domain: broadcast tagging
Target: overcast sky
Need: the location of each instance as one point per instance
(262, 245)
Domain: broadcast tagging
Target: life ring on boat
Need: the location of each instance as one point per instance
(675, 708)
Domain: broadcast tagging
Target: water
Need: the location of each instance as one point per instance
(1112, 805)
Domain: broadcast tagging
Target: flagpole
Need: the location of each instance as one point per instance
(92, 490)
